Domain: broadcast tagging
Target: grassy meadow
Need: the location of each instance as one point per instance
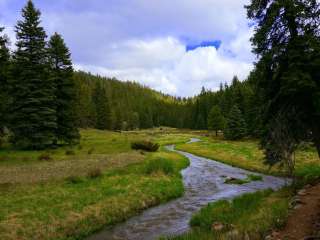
(247, 155)
(68, 193)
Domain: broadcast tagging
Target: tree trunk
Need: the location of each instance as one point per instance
(216, 133)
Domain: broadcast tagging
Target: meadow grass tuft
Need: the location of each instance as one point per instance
(45, 156)
(159, 165)
(308, 173)
(74, 179)
(94, 173)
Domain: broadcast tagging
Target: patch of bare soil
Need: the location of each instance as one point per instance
(304, 219)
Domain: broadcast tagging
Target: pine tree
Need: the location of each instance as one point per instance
(236, 126)
(33, 110)
(216, 120)
(201, 125)
(62, 75)
(103, 113)
(287, 41)
(4, 76)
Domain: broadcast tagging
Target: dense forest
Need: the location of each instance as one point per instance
(111, 104)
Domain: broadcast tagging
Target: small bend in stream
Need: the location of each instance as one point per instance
(204, 183)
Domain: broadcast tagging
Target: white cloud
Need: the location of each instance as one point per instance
(145, 40)
(164, 65)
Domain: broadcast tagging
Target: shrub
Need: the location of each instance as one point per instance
(45, 156)
(159, 165)
(74, 179)
(145, 145)
(90, 151)
(70, 152)
(94, 173)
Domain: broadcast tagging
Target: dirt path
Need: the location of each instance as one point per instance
(304, 220)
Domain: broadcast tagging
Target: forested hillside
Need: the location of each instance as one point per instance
(111, 104)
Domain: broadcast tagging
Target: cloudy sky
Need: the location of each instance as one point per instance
(176, 46)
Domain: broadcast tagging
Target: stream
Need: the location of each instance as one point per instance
(204, 183)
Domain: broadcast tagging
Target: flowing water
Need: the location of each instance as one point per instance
(204, 183)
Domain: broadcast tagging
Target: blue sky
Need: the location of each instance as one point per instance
(172, 46)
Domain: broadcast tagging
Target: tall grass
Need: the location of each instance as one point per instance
(159, 165)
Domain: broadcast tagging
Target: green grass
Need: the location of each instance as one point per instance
(249, 178)
(159, 165)
(308, 173)
(251, 215)
(59, 199)
(245, 154)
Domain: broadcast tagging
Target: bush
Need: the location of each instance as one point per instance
(45, 156)
(94, 173)
(159, 165)
(145, 145)
(74, 179)
(90, 151)
(70, 152)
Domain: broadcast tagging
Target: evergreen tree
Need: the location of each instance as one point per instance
(287, 41)
(33, 112)
(103, 113)
(236, 126)
(135, 120)
(62, 74)
(4, 75)
(201, 125)
(216, 120)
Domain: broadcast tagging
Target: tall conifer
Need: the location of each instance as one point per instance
(287, 41)
(33, 110)
(216, 120)
(62, 75)
(103, 113)
(4, 66)
(236, 126)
